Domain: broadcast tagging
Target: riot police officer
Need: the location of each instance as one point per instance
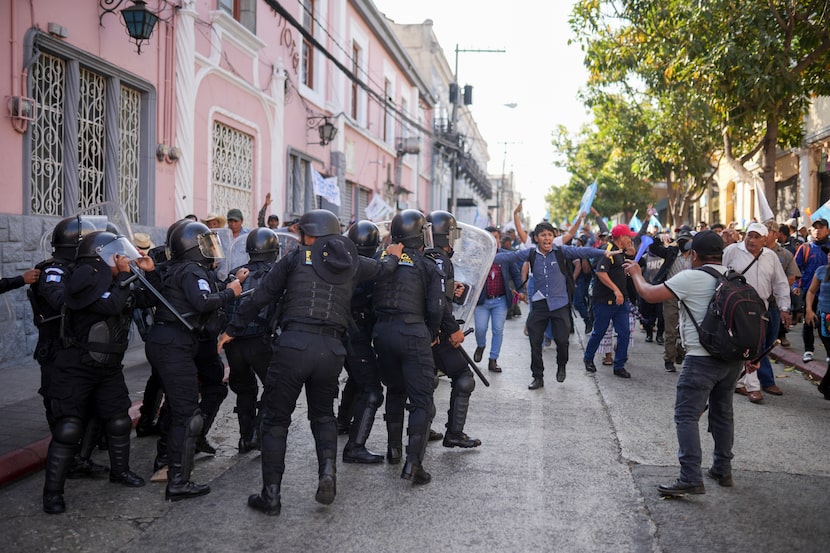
(153, 394)
(172, 345)
(47, 297)
(315, 282)
(361, 360)
(250, 353)
(408, 308)
(97, 318)
(448, 358)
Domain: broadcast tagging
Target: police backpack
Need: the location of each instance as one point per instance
(735, 325)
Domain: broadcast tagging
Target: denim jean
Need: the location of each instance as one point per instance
(765, 374)
(603, 314)
(495, 309)
(702, 380)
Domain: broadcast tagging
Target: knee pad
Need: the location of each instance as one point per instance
(119, 425)
(464, 384)
(374, 399)
(195, 423)
(68, 430)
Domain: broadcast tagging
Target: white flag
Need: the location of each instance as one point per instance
(764, 210)
(327, 188)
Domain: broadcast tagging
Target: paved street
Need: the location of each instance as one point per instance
(571, 467)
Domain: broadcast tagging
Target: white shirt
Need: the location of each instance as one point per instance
(766, 275)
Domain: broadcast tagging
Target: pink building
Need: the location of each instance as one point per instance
(223, 105)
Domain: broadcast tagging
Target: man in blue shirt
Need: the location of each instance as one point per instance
(554, 288)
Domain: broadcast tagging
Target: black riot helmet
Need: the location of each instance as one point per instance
(262, 244)
(105, 245)
(366, 237)
(67, 235)
(445, 229)
(194, 241)
(319, 222)
(410, 228)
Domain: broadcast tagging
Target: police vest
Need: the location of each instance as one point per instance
(404, 292)
(263, 322)
(310, 299)
(210, 323)
(444, 263)
(47, 318)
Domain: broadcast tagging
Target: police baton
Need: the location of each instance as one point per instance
(759, 356)
(140, 276)
(470, 361)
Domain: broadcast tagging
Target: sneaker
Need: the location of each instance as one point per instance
(808, 356)
(670, 367)
(660, 340)
(546, 343)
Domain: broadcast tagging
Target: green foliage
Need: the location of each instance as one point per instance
(707, 75)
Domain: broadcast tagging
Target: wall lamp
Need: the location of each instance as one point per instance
(139, 20)
(325, 129)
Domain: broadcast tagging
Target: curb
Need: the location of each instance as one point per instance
(812, 370)
(31, 458)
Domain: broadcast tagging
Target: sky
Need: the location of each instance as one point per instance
(539, 72)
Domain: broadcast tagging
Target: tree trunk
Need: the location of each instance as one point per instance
(768, 154)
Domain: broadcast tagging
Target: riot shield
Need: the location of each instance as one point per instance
(105, 216)
(473, 257)
(288, 243)
(223, 265)
(237, 255)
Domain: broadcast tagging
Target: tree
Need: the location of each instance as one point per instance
(753, 64)
(600, 153)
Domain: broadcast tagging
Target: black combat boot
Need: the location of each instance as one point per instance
(245, 412)
(355, 450)
(182, 444)
(273, 466)
(268, 500)
(394, 449)
(119, 450)
(413, 470)
(462, 387)
(82, 465)
(325, 438)
(59, 458)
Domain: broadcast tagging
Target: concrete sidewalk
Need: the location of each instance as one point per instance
(24, 435)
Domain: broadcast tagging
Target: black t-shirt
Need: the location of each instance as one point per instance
(613, 266)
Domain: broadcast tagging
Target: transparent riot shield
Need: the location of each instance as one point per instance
(288, 243)
(223, 266)
(473, 257)
(104, 216)
(237, 255)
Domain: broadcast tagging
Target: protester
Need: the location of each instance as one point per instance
(704, 380)
(809, 257)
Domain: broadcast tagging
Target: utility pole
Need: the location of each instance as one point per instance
(458, 148)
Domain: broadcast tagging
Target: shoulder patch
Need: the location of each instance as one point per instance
(439, 262)
(53, 277)
(204, 285)
(406, 260)
(308, 257)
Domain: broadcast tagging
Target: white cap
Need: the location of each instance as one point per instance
(757, 227)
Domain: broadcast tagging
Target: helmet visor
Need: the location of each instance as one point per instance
(119, 246)
(453, 236)
(427, 230)
(210, 246)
